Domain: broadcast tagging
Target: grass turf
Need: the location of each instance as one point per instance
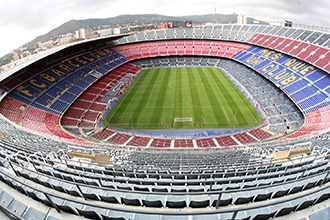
(158, 96)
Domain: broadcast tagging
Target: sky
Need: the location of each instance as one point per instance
(23, 20)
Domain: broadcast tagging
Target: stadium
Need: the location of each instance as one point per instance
(207, 122)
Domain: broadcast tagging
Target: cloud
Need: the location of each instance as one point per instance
(300, 11)
(23, 20)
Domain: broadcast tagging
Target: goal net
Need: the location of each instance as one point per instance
(178, 122)
(183, 121)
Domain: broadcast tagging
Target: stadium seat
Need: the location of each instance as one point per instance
(222, 202)
(305, 204)
(152, 200)
(280, 193)
(295, 189)
(322, 198)
(111, 197)
(177, 202)
(199, 201)
(243, 200)
(262, 213)
(67, 206)
(92, 212)
(262, 197)
(131, 199)
(286, 210)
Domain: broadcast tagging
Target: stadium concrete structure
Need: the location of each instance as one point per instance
(58, 161)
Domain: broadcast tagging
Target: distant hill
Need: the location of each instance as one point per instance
(132, 20)
(122, 21)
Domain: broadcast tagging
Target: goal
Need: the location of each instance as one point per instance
(182, 121)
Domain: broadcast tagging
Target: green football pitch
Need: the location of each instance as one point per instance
(177, 98)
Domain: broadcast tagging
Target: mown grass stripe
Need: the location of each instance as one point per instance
(217, 78)
(211, 94)
(187, 99)
(144, 97)
(168, 107)
(156, 115)
(178, 95)
(202, 102)
(195, 100)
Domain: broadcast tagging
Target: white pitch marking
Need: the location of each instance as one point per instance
(225, 113)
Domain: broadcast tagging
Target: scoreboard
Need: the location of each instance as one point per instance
(179, 24)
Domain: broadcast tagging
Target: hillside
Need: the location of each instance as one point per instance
(122, 21)
(132, 20)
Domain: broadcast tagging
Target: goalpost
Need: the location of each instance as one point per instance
(182, 121)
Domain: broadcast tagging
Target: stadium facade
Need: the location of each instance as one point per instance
(59, 161)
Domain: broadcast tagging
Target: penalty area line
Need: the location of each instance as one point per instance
(225, 114)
